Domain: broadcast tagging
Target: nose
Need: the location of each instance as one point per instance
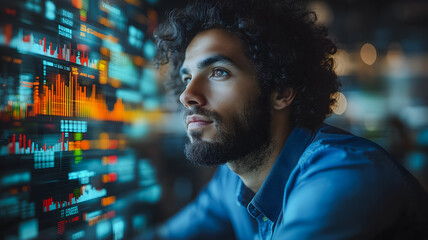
(193, 95)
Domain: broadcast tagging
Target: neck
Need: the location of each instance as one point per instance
(253, 177)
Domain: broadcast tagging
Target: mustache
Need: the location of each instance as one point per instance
(203, 112)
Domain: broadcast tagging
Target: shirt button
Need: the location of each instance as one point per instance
(265, 219)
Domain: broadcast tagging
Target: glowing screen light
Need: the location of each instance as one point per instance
(74, 79)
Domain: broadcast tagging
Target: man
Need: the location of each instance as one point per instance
(256, 79)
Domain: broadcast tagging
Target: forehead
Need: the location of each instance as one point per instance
(215, 42)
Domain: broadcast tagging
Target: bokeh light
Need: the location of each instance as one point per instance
(368, 54)
(341, 103)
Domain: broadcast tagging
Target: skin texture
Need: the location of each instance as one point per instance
(221, 79)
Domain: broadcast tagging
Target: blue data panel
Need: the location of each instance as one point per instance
(73, 81)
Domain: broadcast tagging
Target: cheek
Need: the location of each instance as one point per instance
(230, 99)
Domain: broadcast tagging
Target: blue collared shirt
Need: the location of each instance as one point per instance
(325, 184)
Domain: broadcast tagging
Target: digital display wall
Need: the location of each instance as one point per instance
(75, 76)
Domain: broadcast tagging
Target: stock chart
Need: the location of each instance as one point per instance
(75, 76)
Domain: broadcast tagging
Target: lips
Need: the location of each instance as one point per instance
(195, 121)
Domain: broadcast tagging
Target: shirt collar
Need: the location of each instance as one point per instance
(268, 200)
(243, 194)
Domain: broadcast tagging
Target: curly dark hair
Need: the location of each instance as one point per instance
(281, 39)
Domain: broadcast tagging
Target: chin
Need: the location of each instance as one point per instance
(200, 136)
(205, 153)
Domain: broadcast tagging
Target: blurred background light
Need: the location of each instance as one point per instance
(395, 55)
(323, 11)
(368, 54)
(341, 103)
(343, 63)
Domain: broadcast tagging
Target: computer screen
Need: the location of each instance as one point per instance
(76, 83)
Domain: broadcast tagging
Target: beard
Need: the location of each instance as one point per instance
(243, 140)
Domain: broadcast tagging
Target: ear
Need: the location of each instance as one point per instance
(283, 99)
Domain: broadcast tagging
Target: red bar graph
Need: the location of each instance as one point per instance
(87, 193)
(60, 51)
(21, 147)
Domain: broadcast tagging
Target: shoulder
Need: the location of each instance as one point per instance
(335, 147)
(341, 176)
(344, 165)
(349, 169)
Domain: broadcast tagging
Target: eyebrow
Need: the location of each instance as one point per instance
(208, 61)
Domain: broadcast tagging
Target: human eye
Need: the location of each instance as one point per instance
(186, 80)
(219, 73)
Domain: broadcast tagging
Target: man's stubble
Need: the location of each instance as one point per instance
(244, 140)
